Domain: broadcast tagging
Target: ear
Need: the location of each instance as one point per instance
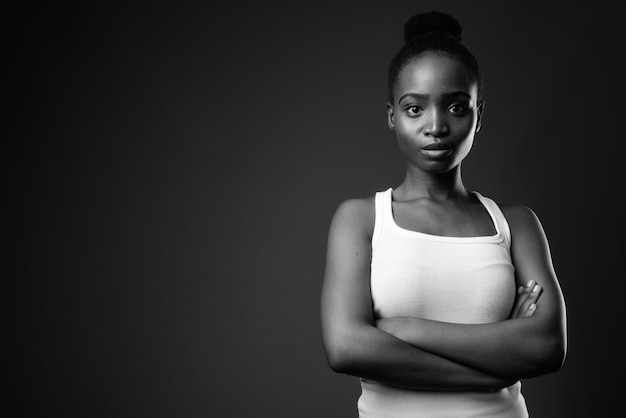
(390, 116)
(481, 108)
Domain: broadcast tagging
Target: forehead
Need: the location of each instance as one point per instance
(434, 74)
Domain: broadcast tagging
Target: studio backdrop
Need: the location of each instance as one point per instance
(172, 169)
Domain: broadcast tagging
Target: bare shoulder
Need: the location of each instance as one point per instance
(525, 226)
(356, 214)
(520, 217)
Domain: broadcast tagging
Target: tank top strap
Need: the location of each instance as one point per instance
(501, 224)
(381, 202)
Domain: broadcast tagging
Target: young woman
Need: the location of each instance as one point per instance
(438, 298)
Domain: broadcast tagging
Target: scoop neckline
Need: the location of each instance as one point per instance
(497, 237)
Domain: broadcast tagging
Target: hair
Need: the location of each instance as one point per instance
(432, 32)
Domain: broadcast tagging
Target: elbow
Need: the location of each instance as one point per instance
(549, 357)
(337, 360)
(345, 351)
(555, 356)
(340, 357)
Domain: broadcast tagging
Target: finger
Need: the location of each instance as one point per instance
(531, 310)
(522, 296)
(526, 295)
(530, 300)
(536, 292)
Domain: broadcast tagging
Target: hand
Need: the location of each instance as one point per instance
(526, 300)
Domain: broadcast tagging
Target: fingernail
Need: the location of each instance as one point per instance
(532, 306)
(536, 288)
(520, 290)
(530, 284)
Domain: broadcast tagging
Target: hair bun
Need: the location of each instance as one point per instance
(432, 22)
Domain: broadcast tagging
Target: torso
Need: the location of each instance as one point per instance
(447, 261)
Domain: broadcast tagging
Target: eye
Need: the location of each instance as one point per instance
(414, 110)
(457, 108)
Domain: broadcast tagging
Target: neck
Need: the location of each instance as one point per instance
(436, 186)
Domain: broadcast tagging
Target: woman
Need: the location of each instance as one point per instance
(439, 299)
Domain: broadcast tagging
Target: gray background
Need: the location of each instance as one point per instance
(171, 171)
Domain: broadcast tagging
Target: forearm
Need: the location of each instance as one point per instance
(514, 348)
(373, 354)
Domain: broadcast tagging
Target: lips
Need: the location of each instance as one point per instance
(437, 146)
(436, 150)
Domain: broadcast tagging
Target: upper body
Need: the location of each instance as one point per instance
(470, 356)
(435, 110)
(451, 278)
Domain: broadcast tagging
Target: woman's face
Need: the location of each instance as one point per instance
(435, 113)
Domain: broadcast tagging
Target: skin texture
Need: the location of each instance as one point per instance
(435, 105)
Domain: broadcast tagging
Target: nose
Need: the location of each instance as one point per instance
(436, 124)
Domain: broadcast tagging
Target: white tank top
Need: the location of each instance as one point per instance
(450, 279)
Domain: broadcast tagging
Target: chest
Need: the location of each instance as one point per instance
(441, 280)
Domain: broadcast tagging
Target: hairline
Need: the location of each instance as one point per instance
(440, 52)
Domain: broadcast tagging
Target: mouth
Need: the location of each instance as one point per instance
(437, 146)
(436, 150)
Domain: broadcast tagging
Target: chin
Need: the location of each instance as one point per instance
(439, 167)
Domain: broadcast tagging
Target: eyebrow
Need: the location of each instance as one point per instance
(427, 96)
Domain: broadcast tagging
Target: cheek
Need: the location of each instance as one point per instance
(466, 146)
(406, 136)
(407, 127)
(464, 127)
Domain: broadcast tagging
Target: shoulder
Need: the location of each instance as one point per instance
(516, 215)
(357, 215)
(519, 216)
(526, 228)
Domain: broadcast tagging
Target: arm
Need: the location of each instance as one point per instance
(526, 345)
(352, 343)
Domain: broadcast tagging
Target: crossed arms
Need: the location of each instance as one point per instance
(431, 355)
